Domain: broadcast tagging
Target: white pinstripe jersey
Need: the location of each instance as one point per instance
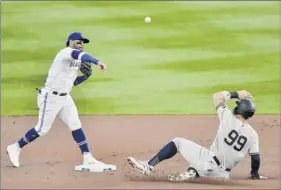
(233, 139)
(62, 72)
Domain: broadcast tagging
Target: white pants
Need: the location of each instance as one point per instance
(200, 158)
(50, 106)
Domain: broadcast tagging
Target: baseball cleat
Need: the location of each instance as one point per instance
(95, 168)
(90, 164)
(188, 175)
(89, 159)
(14, 152)
(142, 166)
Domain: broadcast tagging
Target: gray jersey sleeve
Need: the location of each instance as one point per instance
(254, 149)
(223, 112)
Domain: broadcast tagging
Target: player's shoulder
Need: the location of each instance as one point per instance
(252, 131)
(65, 52)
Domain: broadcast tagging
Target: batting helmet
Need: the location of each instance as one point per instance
(245, 107)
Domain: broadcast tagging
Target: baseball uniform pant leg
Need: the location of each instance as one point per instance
(49, 107)
(69, 115)
(198, 157)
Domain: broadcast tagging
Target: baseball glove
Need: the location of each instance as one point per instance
(86, 69)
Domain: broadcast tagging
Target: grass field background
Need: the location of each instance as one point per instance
(171, 66)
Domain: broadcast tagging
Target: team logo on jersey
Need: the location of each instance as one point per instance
(75, 63)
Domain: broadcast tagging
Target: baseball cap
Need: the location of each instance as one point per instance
(77, 36)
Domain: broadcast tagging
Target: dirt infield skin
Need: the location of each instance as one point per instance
(49, 161)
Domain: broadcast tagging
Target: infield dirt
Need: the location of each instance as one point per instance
(49, 161)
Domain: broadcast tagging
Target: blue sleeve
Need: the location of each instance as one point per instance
(84, 56)
(87, 58)
(75, 54)
(255, 163)
(79, 80)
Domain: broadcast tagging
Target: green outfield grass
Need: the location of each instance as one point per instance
(171, 66)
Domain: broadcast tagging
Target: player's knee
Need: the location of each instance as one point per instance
(74, 126)
(42, 130)
(178, 141)
(42, 133)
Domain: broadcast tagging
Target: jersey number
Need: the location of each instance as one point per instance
(233, 137)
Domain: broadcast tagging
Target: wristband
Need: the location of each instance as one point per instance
(233, 95)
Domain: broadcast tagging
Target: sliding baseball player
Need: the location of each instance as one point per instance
(235, 138)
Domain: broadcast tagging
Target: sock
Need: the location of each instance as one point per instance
(166, 152)
(79, 136)
(30, 136)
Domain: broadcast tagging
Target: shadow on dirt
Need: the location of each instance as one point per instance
(206, 181)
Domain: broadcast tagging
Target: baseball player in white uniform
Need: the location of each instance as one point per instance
(235, 138)
(55, 99)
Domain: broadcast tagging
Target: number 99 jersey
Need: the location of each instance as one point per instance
(234, 139)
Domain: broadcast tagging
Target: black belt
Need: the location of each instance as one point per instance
(59, 94)
(218, 163)
(54, 92)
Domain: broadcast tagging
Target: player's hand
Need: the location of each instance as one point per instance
(243, 94)
(102, 66)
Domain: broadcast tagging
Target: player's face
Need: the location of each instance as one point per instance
(77, 44)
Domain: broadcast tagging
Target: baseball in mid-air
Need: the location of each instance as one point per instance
(147, 19)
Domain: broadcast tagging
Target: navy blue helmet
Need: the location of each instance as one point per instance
(245, 107)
